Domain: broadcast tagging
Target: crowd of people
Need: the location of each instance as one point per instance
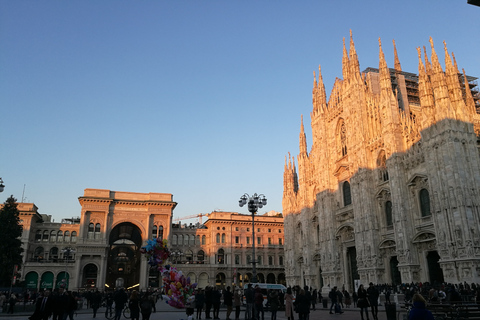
(61, 304)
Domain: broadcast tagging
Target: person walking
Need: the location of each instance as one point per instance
(289, 304)
(71, 305)
(274, 303)
(43, 307)
(250, 298)
(216, 301)
(348, 299)
(146, 306)
(227, 301)
(362, 302)
(134, 305)
(237, 302)
(302, 305)
(208, 302)
(258, 303)
(96, 302)
(199, 302)
(373, 294)
(120, 297)
(334, 298)
(11, 303)
(314, 299)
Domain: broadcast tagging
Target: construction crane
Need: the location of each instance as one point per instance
(193, 216)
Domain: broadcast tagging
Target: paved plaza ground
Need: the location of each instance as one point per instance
(165, 312)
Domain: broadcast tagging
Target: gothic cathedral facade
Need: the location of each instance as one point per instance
(390, 189)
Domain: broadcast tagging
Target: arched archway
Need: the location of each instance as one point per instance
(124, 255)
(261, 278)
(220, 280)
(202, 280)
(89, 277)
(271, 278)
(282, 279)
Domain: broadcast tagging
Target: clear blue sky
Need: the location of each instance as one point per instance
(201, 99)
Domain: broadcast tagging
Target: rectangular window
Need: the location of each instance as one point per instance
(269, 230)
(258, 229)
(236, 228)
(269, 240)
(248, 229)
(237, 239)
(259, 240)
(280, 241)
(279, 230)
(248, 240)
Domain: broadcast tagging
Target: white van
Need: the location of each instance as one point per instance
(265, 287)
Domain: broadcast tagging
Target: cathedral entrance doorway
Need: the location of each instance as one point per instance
(352, 266)
(394, 272)
(434, 270)
(123, 267)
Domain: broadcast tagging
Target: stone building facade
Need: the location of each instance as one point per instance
(101, 248)
(389, 191)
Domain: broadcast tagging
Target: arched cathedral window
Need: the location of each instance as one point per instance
(388, 213)
(425, 203)
(347, 195)
(382, 167)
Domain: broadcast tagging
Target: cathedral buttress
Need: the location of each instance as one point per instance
(388, 105)
(453, 84)
(440, 90)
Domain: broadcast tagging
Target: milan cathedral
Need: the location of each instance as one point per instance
(390, 189)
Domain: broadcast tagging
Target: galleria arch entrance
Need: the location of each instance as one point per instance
(123, 266)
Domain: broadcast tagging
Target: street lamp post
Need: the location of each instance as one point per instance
(66, 253)
(255, 202)
(2, 186)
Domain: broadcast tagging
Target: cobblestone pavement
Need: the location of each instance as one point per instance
(165, 312)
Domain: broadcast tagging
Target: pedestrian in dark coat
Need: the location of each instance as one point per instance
(208, 302)
(96, 302)
(363, 302)
(43, 307)
(134, 305)
(302, 305)
(258, 304)
(71, 305)
(199, 302)
(216, 301)
(373, 295)
(228, 301)
(146, 307)
(121, 298)
(274, 303)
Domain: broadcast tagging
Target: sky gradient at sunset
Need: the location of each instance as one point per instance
(201, 99)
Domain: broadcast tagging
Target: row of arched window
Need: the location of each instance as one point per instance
(186, 239)
(53, 254)
(271, 260)
(55, 236)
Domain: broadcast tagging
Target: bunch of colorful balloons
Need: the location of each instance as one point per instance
(157, 252)
(179, 290)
